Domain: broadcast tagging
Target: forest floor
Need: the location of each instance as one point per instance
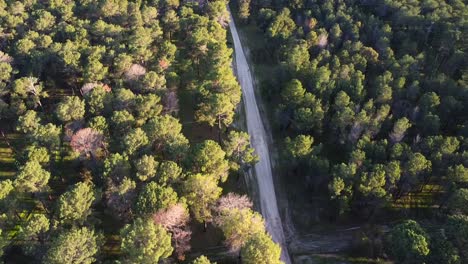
(8, 142)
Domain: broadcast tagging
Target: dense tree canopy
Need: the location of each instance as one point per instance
(95, 147)
(74, 246)
(145, 242)
(368, 101)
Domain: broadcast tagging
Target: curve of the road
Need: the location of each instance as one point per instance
(258, 137)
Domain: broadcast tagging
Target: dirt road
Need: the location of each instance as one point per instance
(258, 136)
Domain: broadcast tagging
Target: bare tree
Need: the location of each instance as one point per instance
(399, 130)
(6, 58)
(181, 239)
(87, 141)
(233, 201)
(171, 103)
(34, 88)
(88, 87)
(322, 40)
(229, 202)
(71, 127)
(174, 219)
(120, 198)
(134, 72)
(164, 64)
(174, 216)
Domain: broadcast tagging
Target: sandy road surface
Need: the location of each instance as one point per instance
(258, 137)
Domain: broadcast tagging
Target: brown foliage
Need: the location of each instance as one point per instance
(174, 219)
(232, 201)
(135, 71)
(87, 141)
(171, 103)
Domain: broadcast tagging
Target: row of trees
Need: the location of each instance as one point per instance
(103, 161)
(372, 102)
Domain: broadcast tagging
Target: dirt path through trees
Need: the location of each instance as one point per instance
(256, 129)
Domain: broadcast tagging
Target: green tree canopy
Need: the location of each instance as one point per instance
(208, 158)
(409, 243)
(135, 140)
(217, 109)
(293, 93)
(146, 167)
(260, 249)
(201, 192)
(282, 26)
(32, 177)
(239, 151)
(71, 108)
(145, 242)
(76, 246)
(155, 197)
(74, 206)
(239, 226)
(202, 260)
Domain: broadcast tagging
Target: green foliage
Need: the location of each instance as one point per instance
(409, 243)
(202, 260)
(373, 182)
(282, 26)
(120, 198)
(458, 173)
(164, 133)
(457, 232)
(47, 135)
(300, 146)
(4, 242)
(33, 232)
(145, 242)
(208, 158)
(146, 167)
(99, 123)
(399, 129)
(293, 93)
(32, 177)
(71, 108)
(29, 122)
(442, 250)
(241, 225)
(97, 101)
(168, 172)
(244, 9)
(217, 110)
(39, 154)
(74, 246)
(238, 150)
(116, 166)
(6, 187)
(362, 83)
(29, 89)
(154, 197)
(74, 206)
(115, 71)
(201, 192)
(134, 141)
(122, 122)
(418, 164)
(297, 59)
(260, 249)
(458, 201)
